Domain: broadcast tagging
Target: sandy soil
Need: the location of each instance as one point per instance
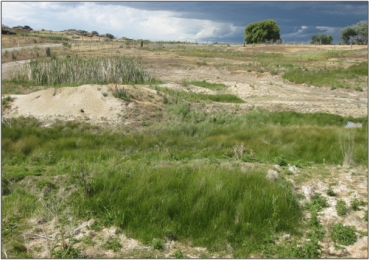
(94, 104)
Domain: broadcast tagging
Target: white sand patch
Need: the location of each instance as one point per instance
(91, 103)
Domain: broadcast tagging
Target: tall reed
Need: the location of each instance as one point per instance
(75, 70)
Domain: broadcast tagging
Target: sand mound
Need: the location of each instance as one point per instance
(94, 104)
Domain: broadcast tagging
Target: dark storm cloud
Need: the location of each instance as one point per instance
(241, 13)
(288, 15)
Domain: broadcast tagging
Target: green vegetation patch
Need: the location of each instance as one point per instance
(341, 208)
(193, 134)
(207, 204)
(343, 235)
(204, 84)
(333, 77)
(198, 97)
(178, 181)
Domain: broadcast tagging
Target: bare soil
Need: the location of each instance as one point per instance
(258, 90)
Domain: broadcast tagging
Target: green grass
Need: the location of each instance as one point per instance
(120, 94)
(5, 102)
(206, 204)
(193, 134)
(334, 77)
(169, 181)
(341, 208)
(355, 204)
(343, 235)
(205, 84)
(197, 97)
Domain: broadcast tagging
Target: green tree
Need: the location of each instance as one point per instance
(322, 39)
(355, 34)
(261, 31)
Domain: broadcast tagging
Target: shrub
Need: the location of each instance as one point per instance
(330, 192)
(178, 255)
(341, 208)
(280, 160)
(318, 202)
(343, 235)
(48, 52)
(122, 94)
(355, 204)
(5, 101)
(113, 244)
(158, 244)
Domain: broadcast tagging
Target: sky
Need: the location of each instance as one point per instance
(206, 21)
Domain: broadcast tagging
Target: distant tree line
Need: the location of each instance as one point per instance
(355, 34)
(267, 30)
(321, 39)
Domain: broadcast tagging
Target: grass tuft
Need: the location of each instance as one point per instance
(343, 235)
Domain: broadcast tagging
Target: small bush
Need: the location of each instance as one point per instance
(318, 201)
(341, 208)
(158, 244)
(355, 204)
(5, 101)
(330, 192)
(66, 45)
(205, 84)
(122, 95)
(179, 255)
(113, 244)
(343, 235)
(184, 83)
(280, 160)
(48, 52)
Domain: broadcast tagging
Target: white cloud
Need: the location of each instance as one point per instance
(302, 32)
(328, 30)
(116, 19)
